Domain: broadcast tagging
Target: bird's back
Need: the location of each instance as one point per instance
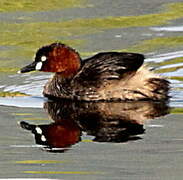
(112, 76)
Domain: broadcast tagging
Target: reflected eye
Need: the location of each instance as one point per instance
(43, 58)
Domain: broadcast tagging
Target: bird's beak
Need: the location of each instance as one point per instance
(28, 68)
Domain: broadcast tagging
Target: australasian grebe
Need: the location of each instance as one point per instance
(107, 76)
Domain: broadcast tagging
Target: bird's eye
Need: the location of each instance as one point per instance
(43, 58)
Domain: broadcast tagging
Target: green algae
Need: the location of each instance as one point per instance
(39, 162)
(8, 70)
(171, 61)
(178, 78)
(156, 43)
(151, 45)
(176, 110)
(39, 5)
(36, 34)
(171, 11)
(65, 172)
(170, 69)
(27, 51)
(12, 94)
(22, 39)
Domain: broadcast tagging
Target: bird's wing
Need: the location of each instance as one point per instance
(108, 66)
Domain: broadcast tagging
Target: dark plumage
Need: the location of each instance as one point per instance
(109, 76)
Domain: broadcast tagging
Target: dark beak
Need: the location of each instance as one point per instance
(28, 68)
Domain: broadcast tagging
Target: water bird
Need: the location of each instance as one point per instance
(106, 76)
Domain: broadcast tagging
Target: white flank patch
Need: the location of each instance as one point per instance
(43, 58)
(39, 65)
(38, 130)
(43, 138)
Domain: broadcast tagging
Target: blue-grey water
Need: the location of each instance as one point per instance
(59, 140)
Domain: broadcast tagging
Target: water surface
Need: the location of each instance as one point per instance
(94, 141)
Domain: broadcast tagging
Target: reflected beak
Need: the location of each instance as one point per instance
(28, 68)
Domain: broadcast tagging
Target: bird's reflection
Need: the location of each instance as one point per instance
(105, 121)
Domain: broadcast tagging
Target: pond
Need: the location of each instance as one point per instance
(40, 138)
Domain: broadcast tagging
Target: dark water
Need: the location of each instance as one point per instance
(63, 140)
